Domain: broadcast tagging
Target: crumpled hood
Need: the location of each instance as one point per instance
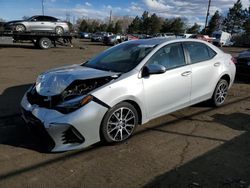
(55, 81)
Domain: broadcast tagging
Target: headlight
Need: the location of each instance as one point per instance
(74, 104)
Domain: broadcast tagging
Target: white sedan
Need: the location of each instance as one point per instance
(125, 86)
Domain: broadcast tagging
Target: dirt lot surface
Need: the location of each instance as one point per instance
(198, 146)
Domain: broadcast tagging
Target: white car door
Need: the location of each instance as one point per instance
(205, 70)
(169, 91)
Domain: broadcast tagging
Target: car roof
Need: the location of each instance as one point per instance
(157, 41)
(151, 41)
(42, 16)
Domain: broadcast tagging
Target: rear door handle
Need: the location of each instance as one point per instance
(186, 73)
(217, 64)
(42, 23)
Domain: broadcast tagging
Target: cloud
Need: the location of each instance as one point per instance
(88, 4)
(193, 10)
(135, 7)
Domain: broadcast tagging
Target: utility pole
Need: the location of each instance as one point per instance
(110, 16)
(43, 7)
(208, 8)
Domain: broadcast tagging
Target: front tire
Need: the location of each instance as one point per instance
(20, 28)
(119, 123)
(220, 93)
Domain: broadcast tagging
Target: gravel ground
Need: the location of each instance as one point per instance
(198, 146)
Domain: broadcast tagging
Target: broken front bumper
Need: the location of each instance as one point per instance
(62, 132)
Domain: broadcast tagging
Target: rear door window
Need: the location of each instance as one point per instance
(199, 52)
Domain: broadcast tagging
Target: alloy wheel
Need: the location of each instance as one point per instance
(221, 93)
(121, 124)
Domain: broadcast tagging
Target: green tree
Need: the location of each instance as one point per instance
(145, 23)
(118, 27)
(194, 29)
(166, 27)
(110, 27)
(103, 27)
(94, 26)
(134, 27)
(155, 24)
(177, 26)
(83, 26)
(235, 18)
(214, 23)
(246, 26)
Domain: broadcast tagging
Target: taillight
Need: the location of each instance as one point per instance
(234, 60)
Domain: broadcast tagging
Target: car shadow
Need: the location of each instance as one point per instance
(242, 79)
(19, 45)
(225, 166)
(13, 130)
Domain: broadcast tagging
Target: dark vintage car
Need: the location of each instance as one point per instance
(243, 65)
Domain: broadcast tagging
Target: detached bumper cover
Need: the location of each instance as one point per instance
(62, 132)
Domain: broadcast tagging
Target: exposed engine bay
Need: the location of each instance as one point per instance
(75, 89)
(79, 87)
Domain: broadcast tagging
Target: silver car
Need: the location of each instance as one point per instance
(107, 97)
(39, 23)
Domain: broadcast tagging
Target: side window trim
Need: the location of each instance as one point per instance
(186, 54)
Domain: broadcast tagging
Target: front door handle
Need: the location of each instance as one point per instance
(186, 73)
(217, 64)
(42, 23)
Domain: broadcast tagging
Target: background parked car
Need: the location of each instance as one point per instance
(39, 23)
(165, 35)
(131, 37)
(98, 36)
(202, 37)
(243, 65)
(113, 39)
(84, 35)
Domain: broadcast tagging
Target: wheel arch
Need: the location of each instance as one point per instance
(138, 109)
(226, 77)
(20, 23)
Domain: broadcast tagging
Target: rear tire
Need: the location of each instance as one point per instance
(59, 30)
(44, 43)
(220, 93)
(119, 123)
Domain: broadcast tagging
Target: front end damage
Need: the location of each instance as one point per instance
(67, 117)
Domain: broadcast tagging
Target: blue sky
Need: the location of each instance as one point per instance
(192, 10)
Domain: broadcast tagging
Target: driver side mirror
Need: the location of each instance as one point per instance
(153, 69)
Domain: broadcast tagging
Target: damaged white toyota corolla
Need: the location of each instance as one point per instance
(107, 97)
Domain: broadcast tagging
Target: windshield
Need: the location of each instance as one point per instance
(121, 58)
